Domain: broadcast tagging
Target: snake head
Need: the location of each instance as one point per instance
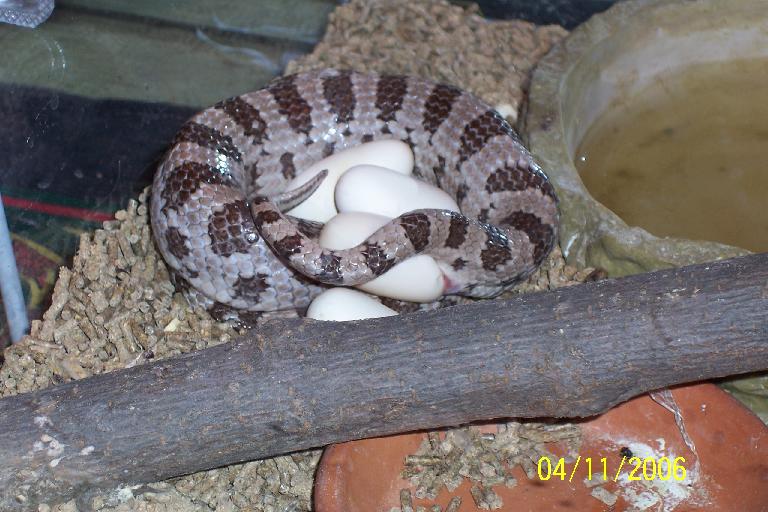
(459, 282)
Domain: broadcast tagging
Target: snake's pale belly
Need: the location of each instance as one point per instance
(233, 251)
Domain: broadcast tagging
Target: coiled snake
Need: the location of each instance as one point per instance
(216, 197)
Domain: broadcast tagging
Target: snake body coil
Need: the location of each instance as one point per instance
(235, 253)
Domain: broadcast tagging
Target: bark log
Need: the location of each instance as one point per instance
(298, 384)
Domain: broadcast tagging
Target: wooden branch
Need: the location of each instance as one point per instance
(298, 384)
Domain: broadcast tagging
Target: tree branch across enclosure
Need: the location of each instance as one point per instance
(297, 384)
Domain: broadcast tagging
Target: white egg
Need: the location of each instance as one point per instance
(393, 154)
(343, 304)
(417, 279)
(374, 189)
(346, 230)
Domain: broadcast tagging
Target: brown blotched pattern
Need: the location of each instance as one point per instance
(389, 96)
(457, 231)
(416, 227)
(512, 178)
(480, 129)
(331, 268)
(494, 255)
(337, 91)
(185, 180)
(540, 234)
(287, 168)
(245, 115)
(208, 137)
(251, 286)
(226, 238)
(459, 263)
(176, 243)
(438, 106)
(265, 217)
(376, 258)
(289, 245)
(292, 105)
(227, 228)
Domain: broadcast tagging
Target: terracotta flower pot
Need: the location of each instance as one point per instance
(728, 473)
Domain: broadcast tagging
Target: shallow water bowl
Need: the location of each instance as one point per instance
(729, 471)
(606, 62)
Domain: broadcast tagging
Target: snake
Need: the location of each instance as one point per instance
(219, 199)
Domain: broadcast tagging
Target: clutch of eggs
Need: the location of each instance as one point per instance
(366, 187)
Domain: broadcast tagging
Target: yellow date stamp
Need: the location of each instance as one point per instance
(637, 468)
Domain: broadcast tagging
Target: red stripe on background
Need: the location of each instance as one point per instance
(57, 209)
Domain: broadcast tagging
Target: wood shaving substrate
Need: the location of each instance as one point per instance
(115, 307)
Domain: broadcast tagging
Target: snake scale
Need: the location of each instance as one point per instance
(218, 193)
